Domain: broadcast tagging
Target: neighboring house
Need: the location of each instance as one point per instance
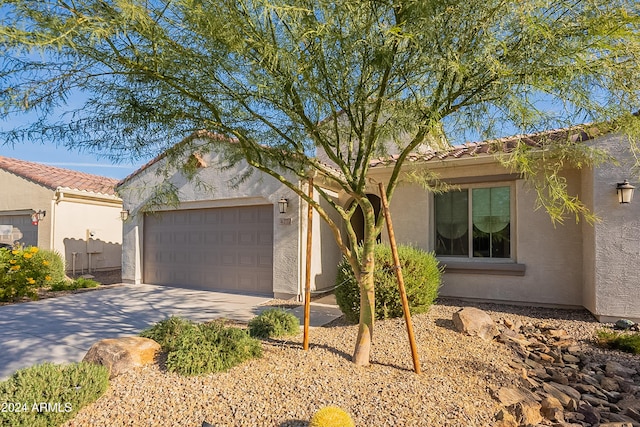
(79, 213)
(495, 244)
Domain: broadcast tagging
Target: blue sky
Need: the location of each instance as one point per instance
(54, 155)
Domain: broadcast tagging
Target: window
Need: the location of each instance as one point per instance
(474, 223)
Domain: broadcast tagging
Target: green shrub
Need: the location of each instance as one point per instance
(194, 349)
(422, 278)
(629, 342)
(48, 395)
(55, 266)
(274, 322)
(167, 332)
(72, 285)
(24, 270)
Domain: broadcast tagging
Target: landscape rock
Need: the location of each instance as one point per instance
(615, 425)
(509, 396)
(568, 387)
(625, 324)
(475, 322)
(120, 355)
(527, 412)
(504, 419)
(590, 414)
(552, 409)
(614, 368)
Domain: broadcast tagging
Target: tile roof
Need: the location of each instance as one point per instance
(579, 133)
(53, 177)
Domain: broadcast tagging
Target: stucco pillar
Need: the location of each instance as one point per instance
(613, 289)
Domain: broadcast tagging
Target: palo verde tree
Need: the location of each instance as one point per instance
(353, 79)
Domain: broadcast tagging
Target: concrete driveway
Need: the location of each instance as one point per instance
(63, 329)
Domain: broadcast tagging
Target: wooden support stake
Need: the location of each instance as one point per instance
(403, 293)
(307, 282)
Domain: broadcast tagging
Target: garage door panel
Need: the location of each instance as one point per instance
(216, 249)
(23, 231)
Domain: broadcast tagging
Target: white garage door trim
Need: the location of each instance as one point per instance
(221, 249)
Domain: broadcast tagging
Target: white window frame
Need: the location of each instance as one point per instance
(512, 224)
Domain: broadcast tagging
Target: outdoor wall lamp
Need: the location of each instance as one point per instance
(625, 191)
(283, 204)
(38, 216)
(124, 214)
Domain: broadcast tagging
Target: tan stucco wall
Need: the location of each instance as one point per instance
(614, 289)
(552, 255)
(325, 254)
(73, 219)
(64, 228)
(18, 194)
(258, 189)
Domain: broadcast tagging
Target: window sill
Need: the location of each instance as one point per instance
(489, 268)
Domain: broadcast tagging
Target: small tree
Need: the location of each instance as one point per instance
(352, 80)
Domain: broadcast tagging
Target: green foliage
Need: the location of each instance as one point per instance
(629, 342)
(331, 416)
(23, 270)
(195, 349)
(64, 388)
(350, 80)
(72, 285)
(274, 322)
(422, 278)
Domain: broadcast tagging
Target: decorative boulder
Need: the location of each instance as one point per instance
(475, 322)
(120, 355)
(624, 324)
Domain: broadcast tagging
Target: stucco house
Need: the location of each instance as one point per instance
(494, 243)
(74, 213)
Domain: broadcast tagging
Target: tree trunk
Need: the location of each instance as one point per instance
(367, 316)
(367, 293)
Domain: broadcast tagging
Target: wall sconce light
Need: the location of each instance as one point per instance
(38, 216)
(625, 191)
(124, 214)
(283, 204)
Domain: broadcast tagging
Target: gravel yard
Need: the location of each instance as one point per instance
(288, 385)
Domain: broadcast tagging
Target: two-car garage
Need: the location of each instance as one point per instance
(222, 249)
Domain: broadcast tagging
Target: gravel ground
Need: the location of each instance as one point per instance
(288, 385)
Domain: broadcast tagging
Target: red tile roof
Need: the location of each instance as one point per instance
(580, 133)
(53, 177)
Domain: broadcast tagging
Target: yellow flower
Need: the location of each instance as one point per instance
(12, 261)
(15, 252)
(34, 250)
(30, 280)
(47, 278)
(15, 268)
(27, 255)
(45, 262)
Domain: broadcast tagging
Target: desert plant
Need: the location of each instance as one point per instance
(331, 416)
(274, 322)
(24, 270)
(194, 349)
(167, 332)
(422, 278)
(48, 395)
(628, 342)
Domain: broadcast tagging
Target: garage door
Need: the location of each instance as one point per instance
(22, 230)
(213, 249)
